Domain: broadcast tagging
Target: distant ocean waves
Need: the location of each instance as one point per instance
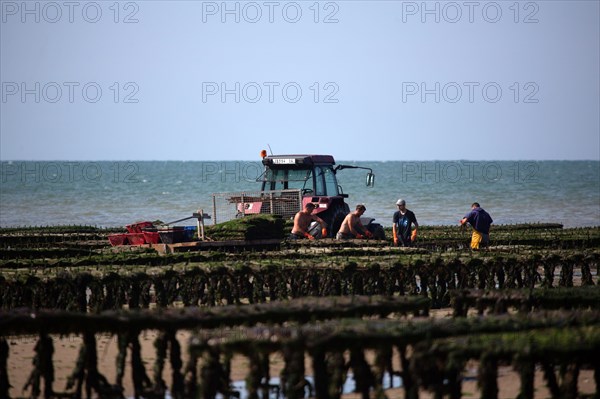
(439, 192)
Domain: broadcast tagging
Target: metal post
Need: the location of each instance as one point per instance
(214, 209)
(199, 212)
(201, 225)
(243, 204)
(271, 203)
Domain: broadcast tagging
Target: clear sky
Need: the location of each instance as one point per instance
(362, 80)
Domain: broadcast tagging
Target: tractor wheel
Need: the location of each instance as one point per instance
(377, 230)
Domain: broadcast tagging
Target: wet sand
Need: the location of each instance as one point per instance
(67, 349)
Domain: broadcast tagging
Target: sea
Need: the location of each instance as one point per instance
(117, 193)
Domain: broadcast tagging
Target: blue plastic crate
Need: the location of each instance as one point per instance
(188, 233)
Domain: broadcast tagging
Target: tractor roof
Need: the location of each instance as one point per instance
(298, 160)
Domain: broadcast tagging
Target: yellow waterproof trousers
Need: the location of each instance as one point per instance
(478, 239)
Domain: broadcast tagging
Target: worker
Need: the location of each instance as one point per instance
(302, 223)
(481, 221)
(352, 227)
(403, 221)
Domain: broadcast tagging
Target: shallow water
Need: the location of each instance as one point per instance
(349, 385)
(439, 192)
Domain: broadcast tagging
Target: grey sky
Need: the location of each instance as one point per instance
(378, 80)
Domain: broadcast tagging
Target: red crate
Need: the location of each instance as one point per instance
(117, 239)
(138, 226)
(136, 238)
(152, 237)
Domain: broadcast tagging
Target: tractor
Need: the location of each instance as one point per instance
(313, 179)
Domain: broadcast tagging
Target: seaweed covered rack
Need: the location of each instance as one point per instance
(300, 318)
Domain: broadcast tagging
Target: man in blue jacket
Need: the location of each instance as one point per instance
(480, 220)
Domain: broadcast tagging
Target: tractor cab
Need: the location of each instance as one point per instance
(313, 175)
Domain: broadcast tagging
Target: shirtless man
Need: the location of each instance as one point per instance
(352, 226)
(302, 222)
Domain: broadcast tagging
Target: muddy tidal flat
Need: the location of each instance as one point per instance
(323, 318)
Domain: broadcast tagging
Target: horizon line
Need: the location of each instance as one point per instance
(337, 160)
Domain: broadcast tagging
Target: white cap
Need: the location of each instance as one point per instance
(400, 202)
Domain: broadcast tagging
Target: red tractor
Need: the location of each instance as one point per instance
(313, 178)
